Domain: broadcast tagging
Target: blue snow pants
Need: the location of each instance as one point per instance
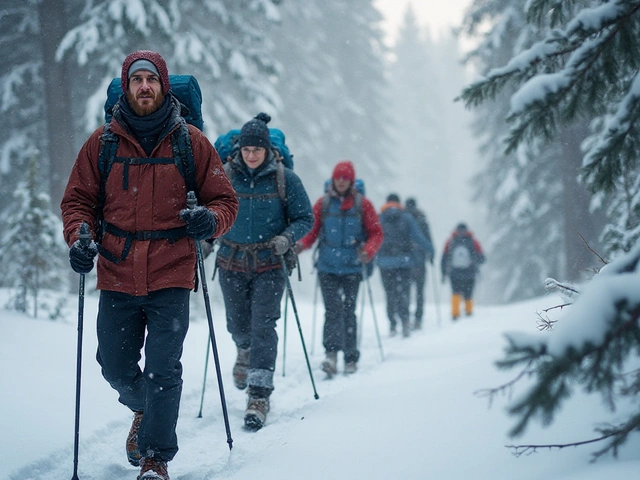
(156, 390)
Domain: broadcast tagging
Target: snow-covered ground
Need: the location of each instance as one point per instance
(412, 416)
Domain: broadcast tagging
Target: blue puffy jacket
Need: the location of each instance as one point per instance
(263, 215)
(401, 235)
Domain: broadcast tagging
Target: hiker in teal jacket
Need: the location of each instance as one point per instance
(274, 214)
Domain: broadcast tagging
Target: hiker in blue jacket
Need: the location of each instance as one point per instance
(275, 212)
(395, 260)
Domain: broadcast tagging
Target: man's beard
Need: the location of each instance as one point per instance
(148, 109)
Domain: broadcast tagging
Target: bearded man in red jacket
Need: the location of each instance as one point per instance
(146, 239)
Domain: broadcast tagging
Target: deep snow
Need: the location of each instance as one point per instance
(412, 416)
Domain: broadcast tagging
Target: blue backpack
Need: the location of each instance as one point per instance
(185, 87)
(227, 145)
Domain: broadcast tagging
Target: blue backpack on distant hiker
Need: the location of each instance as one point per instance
(187, 91)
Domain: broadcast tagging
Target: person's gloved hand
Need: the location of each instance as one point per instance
(201, 222)
(363, 256)
(279, 244)
(81, 257)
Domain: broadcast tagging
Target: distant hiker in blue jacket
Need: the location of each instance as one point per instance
(249, 259)
(395, 260)
(419, 270)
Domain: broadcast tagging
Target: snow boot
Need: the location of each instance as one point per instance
(350, 367)
(330, 364)
(417, 324)
(255, 415)
(392, 331)
(133, 453)
(468, 307)
(152, 469)
(455, 305)
(406, 331)
(241, 368)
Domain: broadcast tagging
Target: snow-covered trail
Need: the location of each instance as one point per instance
(412, 416)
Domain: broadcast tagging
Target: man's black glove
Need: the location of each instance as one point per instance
(81, 258)
(201, 222)
(279, 244)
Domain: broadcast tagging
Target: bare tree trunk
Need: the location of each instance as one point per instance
(57, 90)
(579, 222)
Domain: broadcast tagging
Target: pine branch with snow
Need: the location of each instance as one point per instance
(591, 348)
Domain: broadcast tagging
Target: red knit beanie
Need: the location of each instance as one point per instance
(344, 169)
(153, 57)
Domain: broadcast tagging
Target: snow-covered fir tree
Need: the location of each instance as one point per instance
(333, 89)
(431, 132)
(21, 101)
(582, 71)
(33, 256)
(221, 43)
(537, 207)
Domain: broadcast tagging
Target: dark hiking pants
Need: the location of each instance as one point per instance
(396, 283)
(122, 321)
(463, 281)
(339, 293)
(419, 278)
(252, 301)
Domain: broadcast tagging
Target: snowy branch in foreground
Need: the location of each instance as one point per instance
(596, 341)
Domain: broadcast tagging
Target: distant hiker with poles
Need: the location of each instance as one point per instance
(395, 260)
(349, 235)
(419, 270)
(251, 274)
(460, 262)
(146, 237)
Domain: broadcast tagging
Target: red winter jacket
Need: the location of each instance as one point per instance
(370, 224)
(155, 195)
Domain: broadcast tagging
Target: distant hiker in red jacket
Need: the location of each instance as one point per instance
(147, 262)
(349, 234)
(461, 259)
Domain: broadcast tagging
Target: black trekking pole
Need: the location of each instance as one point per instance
(204, 381)
(284, 338)
(373, 310)
(85, 241)
(191, 204)
(295, 311)
(315, 311)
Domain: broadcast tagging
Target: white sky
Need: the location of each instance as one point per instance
(438, 15)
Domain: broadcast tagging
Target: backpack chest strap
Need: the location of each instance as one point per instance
(127, 161)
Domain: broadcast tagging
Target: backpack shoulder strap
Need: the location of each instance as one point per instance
(106, 155)
(183, 155)
(281, 182)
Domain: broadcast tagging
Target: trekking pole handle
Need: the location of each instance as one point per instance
(191, 200)
(85, 235)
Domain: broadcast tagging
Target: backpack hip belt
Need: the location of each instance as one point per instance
(250, 251)
(171, 234)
